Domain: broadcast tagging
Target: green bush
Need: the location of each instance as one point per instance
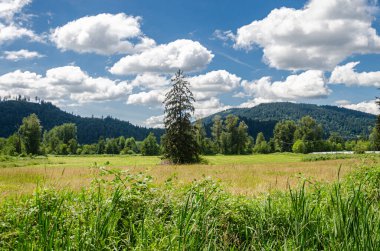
(299, 147)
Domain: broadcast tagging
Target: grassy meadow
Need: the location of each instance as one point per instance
(228, 203)
(242, 174)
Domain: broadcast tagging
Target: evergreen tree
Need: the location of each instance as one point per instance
(30, 132)
(180, 145)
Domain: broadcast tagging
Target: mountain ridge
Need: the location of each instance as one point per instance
(89, 129)
(261, 118)
(349, 123)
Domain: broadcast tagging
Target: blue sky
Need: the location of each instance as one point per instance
(98, 57)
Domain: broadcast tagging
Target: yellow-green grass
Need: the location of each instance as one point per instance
(247, 174)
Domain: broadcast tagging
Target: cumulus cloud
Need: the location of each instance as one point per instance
(155, 121)
(347, 75)
(205, 88)
(12, 32)
(365, 106)
(8, 8)
(224, 35)
(10, 29)
(21, 54)
(204, 108)
(67, 83)
(318, 36)
(213, 83)
(150, 98)
(342, 102)
(309, 84)
(256, 101)
(103, 34)
(150, 81)
(183, 54)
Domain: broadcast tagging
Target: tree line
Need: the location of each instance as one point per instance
(229, 136)
(30, 139)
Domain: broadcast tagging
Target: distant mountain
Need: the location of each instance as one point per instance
(263, 118)
(89, 129)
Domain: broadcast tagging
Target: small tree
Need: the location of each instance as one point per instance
(283, 135)
(299, 147)
(149, 146)
(216, 131)
(310, 133)
(261, 145)
(242, 134)
(30, 132)
(180, 145)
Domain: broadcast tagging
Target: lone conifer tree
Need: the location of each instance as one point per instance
(180, 145)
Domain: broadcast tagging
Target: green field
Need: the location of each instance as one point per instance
(244, 174)
(255, 202)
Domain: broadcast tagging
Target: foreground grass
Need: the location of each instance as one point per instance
(124, 211)
(244, 175)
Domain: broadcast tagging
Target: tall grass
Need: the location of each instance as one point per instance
(127, 212)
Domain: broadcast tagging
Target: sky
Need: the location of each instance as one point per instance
(117, 57)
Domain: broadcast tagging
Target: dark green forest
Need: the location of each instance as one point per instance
(89, 129)
(262, 118)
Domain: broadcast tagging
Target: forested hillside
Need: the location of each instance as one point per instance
(262, 118)
(89, 129)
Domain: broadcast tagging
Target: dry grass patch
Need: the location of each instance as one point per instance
(246, 175)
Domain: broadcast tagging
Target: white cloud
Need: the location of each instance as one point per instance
(150, 81)
(204, 87)
(151, 98)
(102, 34)
(225, 36)
(342, 102)
(155, 121)
(365, 106)
(19, 79)
(347, 75)
(8, 8)
(10, 27)
(183, 54)
(67, 83)
(213, 83)
(309, 84)
(204, 108)
(318, 36)
(21, 54)
(256, 101)
(12, 32)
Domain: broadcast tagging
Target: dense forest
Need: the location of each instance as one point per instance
(262, 118)
(348, 123)
(89, 129)
(228, 136)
